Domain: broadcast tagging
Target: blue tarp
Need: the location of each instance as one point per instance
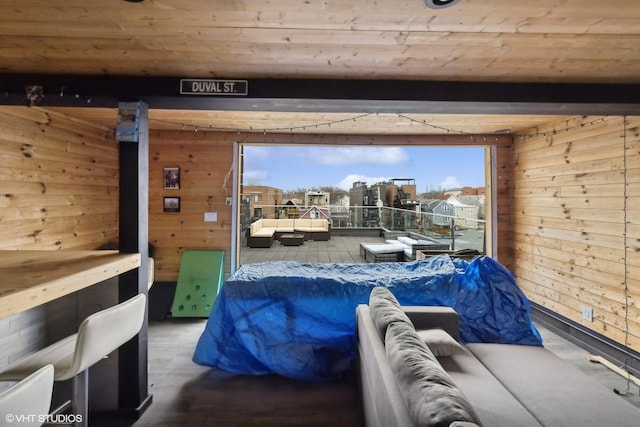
(298, 319)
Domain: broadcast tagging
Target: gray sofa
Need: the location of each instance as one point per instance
(505, 385)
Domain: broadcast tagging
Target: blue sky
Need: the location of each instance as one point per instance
(290, 168)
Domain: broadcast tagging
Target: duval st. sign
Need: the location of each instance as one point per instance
(213, 87)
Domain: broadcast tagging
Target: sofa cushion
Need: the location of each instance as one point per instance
(567, 397)
(407, 240)
(383, 404)
(383, 248)
(284, 225)
(264, 232)
(320, 224)
(256, 226)
(432, 398)
(394, 242)
(269, 222)
(385, 309)
(493, 403)
(440, 342)
(302, 224)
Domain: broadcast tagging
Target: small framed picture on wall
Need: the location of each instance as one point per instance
(172, 178)
(172, 204)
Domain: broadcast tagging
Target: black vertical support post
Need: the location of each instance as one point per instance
(133, 138)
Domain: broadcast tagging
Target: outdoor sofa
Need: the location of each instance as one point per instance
(262, 233)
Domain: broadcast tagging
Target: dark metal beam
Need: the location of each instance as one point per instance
(314, 95)
(133, 396)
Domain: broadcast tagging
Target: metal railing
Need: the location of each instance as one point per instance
(460, 232)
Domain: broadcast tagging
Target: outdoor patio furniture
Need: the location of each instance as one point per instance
(262, 233)
(292, 239)
(381, 252)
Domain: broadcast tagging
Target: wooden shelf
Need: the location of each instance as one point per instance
(32, 278)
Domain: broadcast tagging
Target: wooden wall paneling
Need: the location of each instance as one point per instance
(504, 166)
(60, 181)
(54, 124)
(613, 330)
(571, 235)
(204, 158)
(632, 228)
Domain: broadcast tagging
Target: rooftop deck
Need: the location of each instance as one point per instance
(344, 248)
(340, 249)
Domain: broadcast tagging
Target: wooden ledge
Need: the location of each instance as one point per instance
(32, 278)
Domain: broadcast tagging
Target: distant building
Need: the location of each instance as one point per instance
(401, 193)
(455, 192)
(465, 191)
(317, 198)
(466, 215)
(362, 200)
(478, 200)
(441, 213)
(366, 203)
(263, 201)
(315, 212)
(291, 208)
(472, 191)
(464, 210)
(340, 212)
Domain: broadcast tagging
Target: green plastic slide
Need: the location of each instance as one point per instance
(199, 280)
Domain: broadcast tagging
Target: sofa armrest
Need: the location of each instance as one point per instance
(429, 317)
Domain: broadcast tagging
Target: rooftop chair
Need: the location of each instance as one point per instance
(98, 335)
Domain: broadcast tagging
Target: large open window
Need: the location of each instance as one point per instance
(430, 194)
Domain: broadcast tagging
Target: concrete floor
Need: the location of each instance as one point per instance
(185, 394)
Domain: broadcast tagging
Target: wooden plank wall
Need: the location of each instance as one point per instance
(204, 159)
(575, 221)
(59, 181)
(504, 162)
(58, 190)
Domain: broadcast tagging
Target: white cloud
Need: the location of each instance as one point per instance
(254, 176)
(348, 181)
(450, 182)
(335, 156)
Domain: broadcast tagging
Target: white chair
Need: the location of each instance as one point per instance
(26, 403)
(151, 270)
(98, 335)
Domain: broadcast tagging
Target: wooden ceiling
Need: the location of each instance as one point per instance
(542, 41)
(319, 123)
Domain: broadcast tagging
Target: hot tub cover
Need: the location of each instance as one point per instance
(298, 319)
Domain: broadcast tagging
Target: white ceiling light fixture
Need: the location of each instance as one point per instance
(440, 4)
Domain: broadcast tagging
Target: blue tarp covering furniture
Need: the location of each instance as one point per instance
(298, 319)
